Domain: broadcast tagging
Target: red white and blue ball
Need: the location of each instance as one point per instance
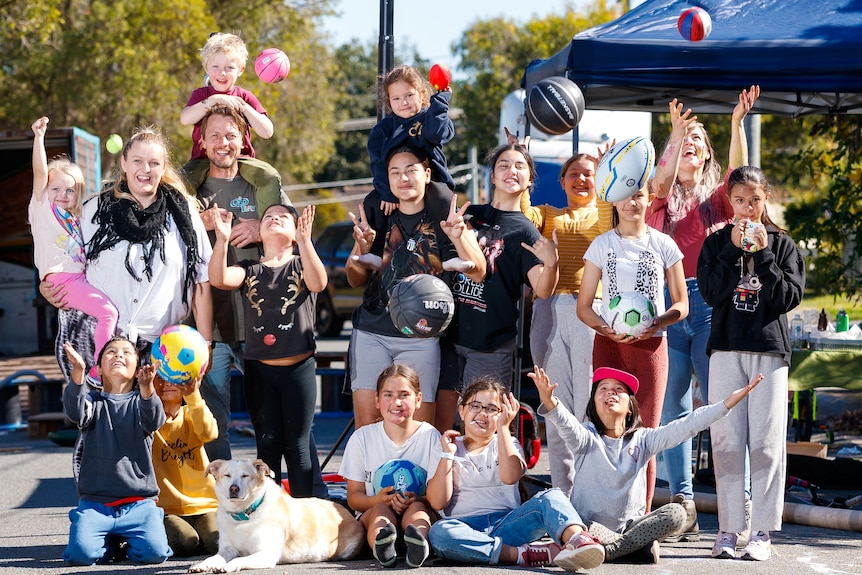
(182, 353)
(405, 476)
(624, 169)
(421, 306)
(631, 313)
(694, 24)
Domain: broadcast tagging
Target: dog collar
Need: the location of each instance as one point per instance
(243, 515)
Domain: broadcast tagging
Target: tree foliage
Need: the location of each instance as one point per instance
(109, 66)
(494, 54)
(829, 216)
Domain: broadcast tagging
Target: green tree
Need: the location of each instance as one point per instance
(494, 54)
(109, 66)
(828, 217)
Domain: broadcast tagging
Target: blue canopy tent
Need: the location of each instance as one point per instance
(805, 54)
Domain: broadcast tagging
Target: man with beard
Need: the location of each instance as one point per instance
(241, 195)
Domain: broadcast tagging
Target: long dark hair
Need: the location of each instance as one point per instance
(494, 155)
(753, 176)
(633, 417)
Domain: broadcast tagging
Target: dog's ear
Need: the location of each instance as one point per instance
(263, 469)
(213, 468)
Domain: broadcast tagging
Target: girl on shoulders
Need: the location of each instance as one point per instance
(398, 442)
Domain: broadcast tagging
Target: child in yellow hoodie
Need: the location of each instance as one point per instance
(187, 493)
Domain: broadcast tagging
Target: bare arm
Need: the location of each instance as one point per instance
(40, 158)
(441, 485)
(222, 276)
(734, 398)
(668, 165)
(465, 244)
(313, 270)
(363, 237)
(544, 277)
(738, 154)
(512, 465)
(202, 309)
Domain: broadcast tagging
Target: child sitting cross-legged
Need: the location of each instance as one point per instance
(476, 487)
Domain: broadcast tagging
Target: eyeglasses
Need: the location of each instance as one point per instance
(476, 407)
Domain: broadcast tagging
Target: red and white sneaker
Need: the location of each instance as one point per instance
(583, 551)
(538, 554)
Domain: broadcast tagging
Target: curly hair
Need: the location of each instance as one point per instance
(407, 74)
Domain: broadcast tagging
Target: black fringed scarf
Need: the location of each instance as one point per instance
(122, 220)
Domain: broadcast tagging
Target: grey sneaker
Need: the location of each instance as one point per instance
(725, 545)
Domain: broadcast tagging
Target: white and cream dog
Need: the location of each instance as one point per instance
(261, 526)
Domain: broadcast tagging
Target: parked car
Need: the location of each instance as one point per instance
(337, 302)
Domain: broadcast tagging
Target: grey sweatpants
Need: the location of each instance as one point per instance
(758, 422)
(563, 345)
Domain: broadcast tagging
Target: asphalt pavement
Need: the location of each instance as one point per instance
(38, 492)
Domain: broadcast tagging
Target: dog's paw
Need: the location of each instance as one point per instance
(214, 564)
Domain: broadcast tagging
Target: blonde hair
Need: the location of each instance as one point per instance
(65, 165)
(230, 45)
(149, 135)
(410, 75)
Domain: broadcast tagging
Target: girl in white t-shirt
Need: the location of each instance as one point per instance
(398, 437)
(54, 211)
(634, 257)
(476, 487)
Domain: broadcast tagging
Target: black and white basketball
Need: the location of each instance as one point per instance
(421, 306)
(555, 105)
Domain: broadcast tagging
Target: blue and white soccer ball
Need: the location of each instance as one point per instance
(402, 474)
(631, 313)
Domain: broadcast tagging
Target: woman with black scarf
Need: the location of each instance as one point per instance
(146, 249)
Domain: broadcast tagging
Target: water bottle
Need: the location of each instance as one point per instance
(796, 338)
(842, 321)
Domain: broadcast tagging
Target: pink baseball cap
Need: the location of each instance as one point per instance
(623, 377)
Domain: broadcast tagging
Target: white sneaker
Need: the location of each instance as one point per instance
(725, 545)
(759, 547)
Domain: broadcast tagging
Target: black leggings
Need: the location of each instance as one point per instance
(281, 402)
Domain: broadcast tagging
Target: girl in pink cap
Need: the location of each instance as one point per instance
(612, 448)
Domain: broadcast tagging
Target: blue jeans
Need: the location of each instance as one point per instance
(140, 523)
(480, 538)
(215, 390)
(686, 350)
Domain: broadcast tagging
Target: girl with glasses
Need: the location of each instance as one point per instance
(476, 489)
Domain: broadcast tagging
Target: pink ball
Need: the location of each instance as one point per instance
(694, 24)
(272, 65)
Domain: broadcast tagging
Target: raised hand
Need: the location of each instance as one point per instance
(509, 407)
(544, 249)
(544, 387)
(363, 235)
(747, 98)
(304, 223)
(679, 120)
(454, 224)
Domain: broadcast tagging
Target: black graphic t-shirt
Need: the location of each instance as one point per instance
(486, 313)
(279, 311)
(411, 248)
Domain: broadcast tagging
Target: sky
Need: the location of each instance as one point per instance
(432, 25)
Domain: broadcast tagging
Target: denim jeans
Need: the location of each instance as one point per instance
(140, 523)
(215, 390)
(480, 538)
(686, 350)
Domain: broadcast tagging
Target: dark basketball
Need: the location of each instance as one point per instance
(555, 105)
(421, 306)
